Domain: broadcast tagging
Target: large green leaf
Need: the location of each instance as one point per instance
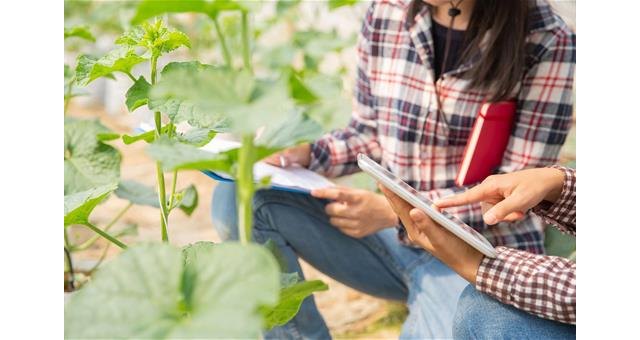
(151, 8)
(78, 206)
(296, 129)
(138, 94)
(120, 60)
(248, 103)
(80, 32)
(180, 109)
(196, 136)
(291, 298)
(299, 91)
(155, 291)
(333, 108)
(138, 193)
(179, 156)
(88, 162)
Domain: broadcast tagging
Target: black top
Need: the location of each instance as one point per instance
(456, 47)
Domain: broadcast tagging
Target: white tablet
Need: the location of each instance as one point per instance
(413, 197)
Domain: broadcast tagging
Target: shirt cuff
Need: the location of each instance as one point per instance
(495, 274)
(320, 156)
(557, 212)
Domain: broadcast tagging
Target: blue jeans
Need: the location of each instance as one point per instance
(377, 264)
(480, 316)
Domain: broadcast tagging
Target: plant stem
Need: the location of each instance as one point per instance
(163, 202)
(68, 246)
(173, 189)
(67, 97)
(245, 188)
(154, 66)
(67, 256)
(106, 235)
(223, 43)
(131, 76)
(101, 259)
(162, 195)
(92, 240)
(246, 49)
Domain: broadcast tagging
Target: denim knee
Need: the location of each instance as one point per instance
(473, 308)
(224, 212)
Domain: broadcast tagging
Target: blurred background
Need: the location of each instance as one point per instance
(316, 39)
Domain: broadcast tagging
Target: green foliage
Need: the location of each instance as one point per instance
(187, 200)
(78, 206)
(157, 291)
(299, 91)
(180, 109)
(247, 103)
(152, 8)
(558, 244)
(333, 4)
(196, 136)
(120, 60)
(80, 32)
(178, 156)
(292, 291)
(88, 162)
(137, 193)
(138, 94)
(140, 194)
(297, 128)
(70, 90)
(333, 108)
(148, 136)
(290, 300)
(156, 38)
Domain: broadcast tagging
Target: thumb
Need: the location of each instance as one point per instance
(502, 210)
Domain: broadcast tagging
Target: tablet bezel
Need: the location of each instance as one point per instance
(416, 199)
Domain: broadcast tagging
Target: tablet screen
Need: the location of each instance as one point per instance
(386, 173)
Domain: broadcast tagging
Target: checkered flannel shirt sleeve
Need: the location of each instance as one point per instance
(335, 154)
(542, 285)
(562, 213)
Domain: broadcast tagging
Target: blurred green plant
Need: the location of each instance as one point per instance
(209, 98)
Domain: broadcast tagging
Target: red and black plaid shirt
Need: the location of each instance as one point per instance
(541, 285)
(394, 119)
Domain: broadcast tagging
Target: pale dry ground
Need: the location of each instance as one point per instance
(345, 310)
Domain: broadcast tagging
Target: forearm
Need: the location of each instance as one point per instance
(335, 154)
(541, 285)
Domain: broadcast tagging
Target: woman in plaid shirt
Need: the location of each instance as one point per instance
(415, 103)
(544, 287)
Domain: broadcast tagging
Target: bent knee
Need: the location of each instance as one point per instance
(473, 313)
(223, 211)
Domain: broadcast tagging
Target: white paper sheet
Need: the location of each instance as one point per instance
(290, 177)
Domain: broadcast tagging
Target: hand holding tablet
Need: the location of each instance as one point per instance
(415, 199)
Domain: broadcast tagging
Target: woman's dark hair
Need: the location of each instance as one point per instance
(504, 25)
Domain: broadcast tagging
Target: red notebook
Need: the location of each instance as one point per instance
(487, 142)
